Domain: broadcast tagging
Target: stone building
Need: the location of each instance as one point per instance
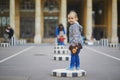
(36, 20)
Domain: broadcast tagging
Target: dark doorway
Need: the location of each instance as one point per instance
(27, 27)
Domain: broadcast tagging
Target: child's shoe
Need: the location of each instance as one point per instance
(77, 68)
(70, 68)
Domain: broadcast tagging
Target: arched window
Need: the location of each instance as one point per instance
(4, 4)
(51, 6)
(27, 4)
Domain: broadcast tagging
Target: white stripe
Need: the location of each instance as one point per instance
(5, 59)
(105, 54)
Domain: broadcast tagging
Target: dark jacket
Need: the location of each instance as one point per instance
(58, 31)
(10, 33)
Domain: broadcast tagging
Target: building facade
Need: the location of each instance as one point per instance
(36, 20)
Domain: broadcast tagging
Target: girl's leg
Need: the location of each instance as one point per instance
(62, 43)
(57, 41)
(72, 62)
(6, 38)
(77, 60)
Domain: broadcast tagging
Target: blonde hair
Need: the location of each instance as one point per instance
(74, 13)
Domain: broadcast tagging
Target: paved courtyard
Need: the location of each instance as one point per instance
(34, 62)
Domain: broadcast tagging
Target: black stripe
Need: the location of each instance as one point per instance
(63, 75)
(74, 74)
(54, 51)
(54, 58)
(54, 74)
(63, 52)
(83, 73)
(67, 58)
(58, 52)
(60, 58)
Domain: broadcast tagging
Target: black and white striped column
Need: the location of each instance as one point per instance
(68, 73)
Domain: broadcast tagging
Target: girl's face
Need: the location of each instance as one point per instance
(72, 18)
(61, 28)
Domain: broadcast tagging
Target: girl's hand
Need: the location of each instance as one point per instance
(58, 36)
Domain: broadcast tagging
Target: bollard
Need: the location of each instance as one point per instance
(68, 73)
(61, 57)
(97, 43)
(113, 45)
(13, 41)
(20, 42)
(60, 50)
(61, 53)
(4, 44)
(104, 42)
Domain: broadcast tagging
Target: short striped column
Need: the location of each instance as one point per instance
(113, 45)
(61, 53)
(68, 73)
(97, 43)
(20, 42)
(60, 50)
(104, 42)
(61, 57)
(4, 44)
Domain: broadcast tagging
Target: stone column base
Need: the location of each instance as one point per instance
(88, 37)
(114, 40)
(37, 39)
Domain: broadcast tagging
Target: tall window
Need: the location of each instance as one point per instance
(50, 23)
(4, 15)
(51, 11)
(27, 19)
(27, 27)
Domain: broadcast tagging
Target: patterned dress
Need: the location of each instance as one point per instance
(75, 34)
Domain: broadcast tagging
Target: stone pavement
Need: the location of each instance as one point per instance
(34, 62)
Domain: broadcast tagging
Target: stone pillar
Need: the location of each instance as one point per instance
(89, 19)
(38, 22)
(17, 19)
(108, 13)
(12, 14)
(63, 17)
(114, 37)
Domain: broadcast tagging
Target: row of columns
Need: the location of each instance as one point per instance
(38, 21)
(114, 37)
(63, 19)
